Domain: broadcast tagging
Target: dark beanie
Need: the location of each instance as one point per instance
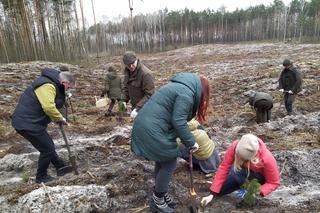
(286, 62)
(63, 68)
(111, 69)
(129, 57)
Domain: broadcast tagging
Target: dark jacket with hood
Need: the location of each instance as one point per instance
(29, 114)
(164, 118)
(113, 85)
(290, 79)
(258, 96)
(138, 85)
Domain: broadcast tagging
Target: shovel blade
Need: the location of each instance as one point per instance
(74, 164)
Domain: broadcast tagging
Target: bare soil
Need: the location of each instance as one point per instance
(103, 151)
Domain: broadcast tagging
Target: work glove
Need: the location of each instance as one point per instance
(281, 90)
(68, 94)
(195, 147)
(241, 193)
(290, 92)
(206, 200)
(62, 122)
(134, 113)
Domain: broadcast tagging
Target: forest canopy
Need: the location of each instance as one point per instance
(56, 30)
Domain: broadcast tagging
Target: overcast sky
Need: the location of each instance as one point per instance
(111, 9)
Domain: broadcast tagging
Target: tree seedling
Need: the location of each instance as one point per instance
(253, 190)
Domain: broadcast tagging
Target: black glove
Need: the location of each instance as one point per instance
(62, 122)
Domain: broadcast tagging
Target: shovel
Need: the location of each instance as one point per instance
(192, 207)
(192, 191)
(72, 158)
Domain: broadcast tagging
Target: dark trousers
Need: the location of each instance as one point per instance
(288, 101)
(236, 179)
(163, 172)
(44, 144)
(111, 105)
(263, 111)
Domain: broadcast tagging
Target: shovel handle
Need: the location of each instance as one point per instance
(192, 191)
(72, 158)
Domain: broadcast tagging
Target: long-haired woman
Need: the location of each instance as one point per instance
(161, 120)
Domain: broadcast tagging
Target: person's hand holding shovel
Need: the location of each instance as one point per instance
(62, 122)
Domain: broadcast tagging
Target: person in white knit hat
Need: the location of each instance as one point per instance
(245, 159)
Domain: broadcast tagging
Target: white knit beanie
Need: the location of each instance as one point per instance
(247, 147)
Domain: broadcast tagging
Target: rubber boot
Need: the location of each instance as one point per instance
(64, 170)
(44, 179)
(159, 205)
(170, 201)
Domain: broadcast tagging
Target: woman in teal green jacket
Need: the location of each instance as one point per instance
(158, 124)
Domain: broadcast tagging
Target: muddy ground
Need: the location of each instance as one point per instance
(112, 179)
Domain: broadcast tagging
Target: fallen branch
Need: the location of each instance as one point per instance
(47, 193)
(91, 175)
(284, 163)
(139, 209)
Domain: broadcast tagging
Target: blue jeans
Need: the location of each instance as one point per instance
(236, 179)
(163, 172)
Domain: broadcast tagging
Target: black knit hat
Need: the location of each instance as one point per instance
(286, 62)
(129, 57)
(63, 68)
(111, 68)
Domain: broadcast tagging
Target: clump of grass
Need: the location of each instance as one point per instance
(26, 176)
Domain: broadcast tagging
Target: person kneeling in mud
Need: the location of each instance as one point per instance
(262, 103)
(244, 160)
(207, 157)
(113, 89)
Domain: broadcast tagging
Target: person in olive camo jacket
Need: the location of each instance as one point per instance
(113, 88)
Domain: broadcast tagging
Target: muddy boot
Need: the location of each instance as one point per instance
(169, 200)
(44, 179)
(64, 170)
(159, 205)
(109, 113)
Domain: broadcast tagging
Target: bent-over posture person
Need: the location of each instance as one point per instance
(158, 124)
(206, 157)
(245, 159)
(37, 107)
(262, 103)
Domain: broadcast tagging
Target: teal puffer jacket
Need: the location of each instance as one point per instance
(164, 118)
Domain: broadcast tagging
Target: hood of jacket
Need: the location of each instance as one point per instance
(194, 84)
(111, 75)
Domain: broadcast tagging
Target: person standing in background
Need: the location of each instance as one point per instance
(138, 82)
(290, 83)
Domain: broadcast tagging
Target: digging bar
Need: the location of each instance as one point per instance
(72, 158)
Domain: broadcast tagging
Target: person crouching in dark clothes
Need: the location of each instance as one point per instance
(37, 107)
(262, 103)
